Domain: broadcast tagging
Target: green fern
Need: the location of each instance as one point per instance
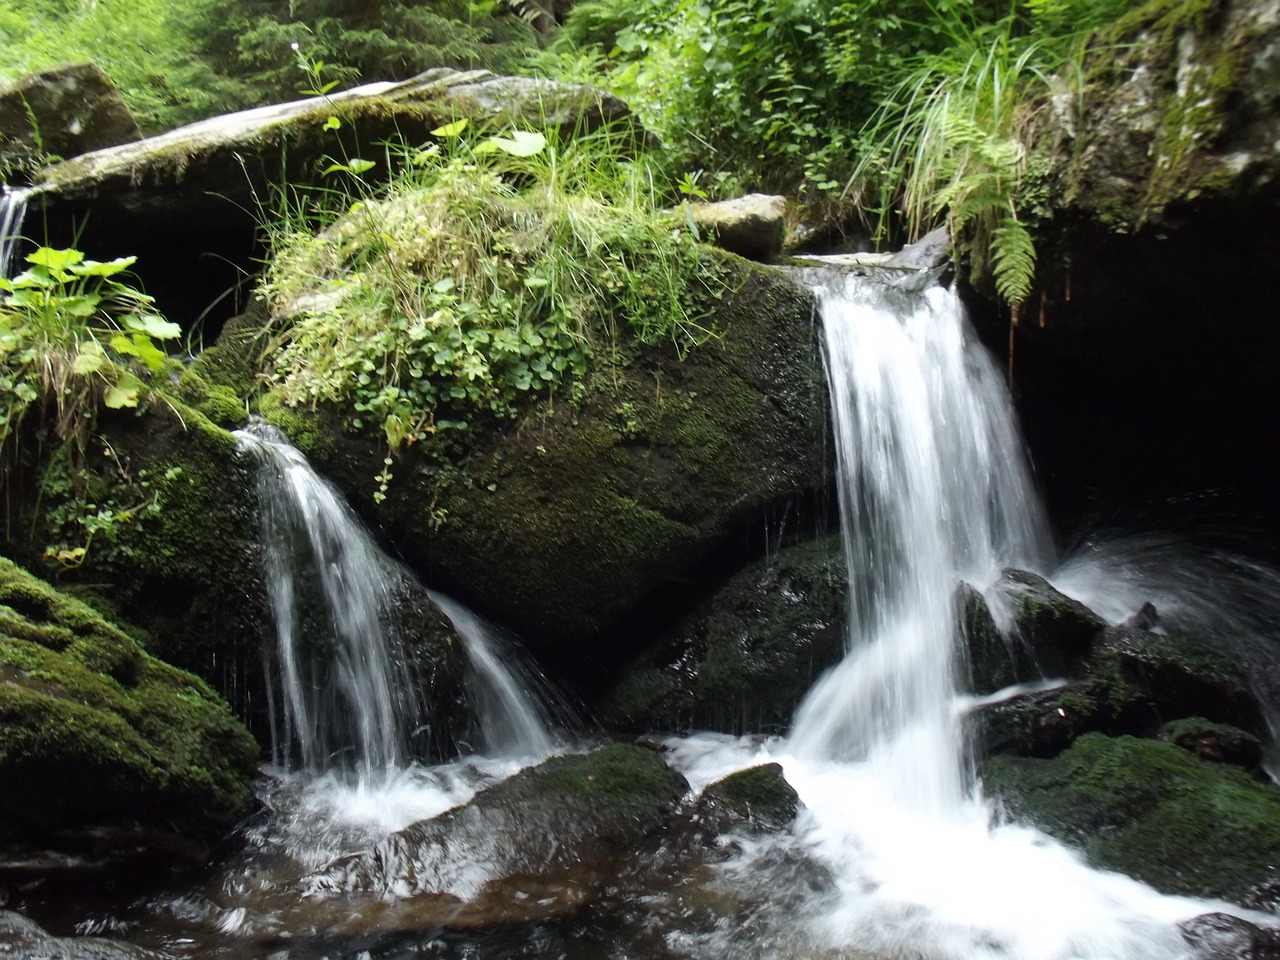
(1013, 259)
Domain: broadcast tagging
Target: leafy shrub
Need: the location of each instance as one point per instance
(493, 271)
(71, 335)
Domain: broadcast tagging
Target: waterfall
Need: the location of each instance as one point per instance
(513, 722)
(933, 488)
(347, 698)
(13, 210)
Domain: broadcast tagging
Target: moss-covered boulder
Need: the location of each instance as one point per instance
(558, 829)
(93, 729)
(1150, 809)
(571, 523)
(759, 798)
(1054, 631)
(992, 660)
(743, 659)
(1216, 742)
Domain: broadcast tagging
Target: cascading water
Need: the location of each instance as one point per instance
(933, 488)
(345, 685)
(905, 856)
(512, 720)
(13, 211)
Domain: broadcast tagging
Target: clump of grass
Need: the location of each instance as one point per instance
(493, 269)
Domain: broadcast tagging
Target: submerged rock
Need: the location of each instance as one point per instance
(95, 730)
(538, 844)
(1150, 809)
(745, 658)
(1221, 936)
(23, 939)
(759, 798)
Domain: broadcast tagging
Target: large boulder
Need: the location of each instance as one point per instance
(744, 658)
(94, 730)
(752, 226)
(61, 112)
(586, 519)
(1151, 810)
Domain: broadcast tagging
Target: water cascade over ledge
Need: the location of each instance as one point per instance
(13, 211)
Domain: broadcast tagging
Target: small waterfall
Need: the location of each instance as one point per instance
(13, 211)
(933, 488)
(513, 722)
(348, 701)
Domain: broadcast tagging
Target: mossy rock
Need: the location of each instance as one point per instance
(568, 523)
(93, 729)
(745, 658)
(1043, 723)
(758, 797)
(1150, 809)
(1216, 742)
(992, 660)
(1054, 631)
(569, 817)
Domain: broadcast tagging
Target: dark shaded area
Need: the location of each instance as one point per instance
(1150, 395)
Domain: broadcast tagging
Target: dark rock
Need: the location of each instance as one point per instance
(556, 830)
(928, 253)
(62, 112)
(1214, 741)
(584, 521)
(94, 730)
(1043, 723)
(993, 661)
(1220, 936)
(745, 658)
(1151, 810)
(1154, 678)
(1056, 630)
(759, 798)
(750, 226)
(24, 939)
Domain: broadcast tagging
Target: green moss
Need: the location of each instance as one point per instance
(97, 729)
(760, 794)
(1152, 810)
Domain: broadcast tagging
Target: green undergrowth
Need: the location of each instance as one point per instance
(492, 271)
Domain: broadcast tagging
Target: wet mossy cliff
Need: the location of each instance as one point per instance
(1144, 361)
(93, 730)
(594, 517)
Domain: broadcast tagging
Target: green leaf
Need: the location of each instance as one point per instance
(55, 261)
(95, 268)
(124, 393)
(333, 123)
(89, 359)
(153, 325)
(521, 143)
(451, 129)
(357, 166)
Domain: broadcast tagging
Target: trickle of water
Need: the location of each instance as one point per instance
(513, 720)
(13, 211)
(348, 700)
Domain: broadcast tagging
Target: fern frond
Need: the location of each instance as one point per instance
(1013, 259)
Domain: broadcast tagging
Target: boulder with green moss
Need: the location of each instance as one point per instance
(543, 842)
(93, 729)
(759, 797)
(743, 659)
(1152, 810)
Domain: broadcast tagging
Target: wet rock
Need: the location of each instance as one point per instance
(928, 253)
(1220, 936)
(1150, 809)
(1056, 630)
(557, 828)
(758, 798)
(750, 226)
(1043, 723)
(94, 730)
(993, 660)
(1154, 678)
(24, 939)
(63, 112)
(1216, 742)
(745, 658)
